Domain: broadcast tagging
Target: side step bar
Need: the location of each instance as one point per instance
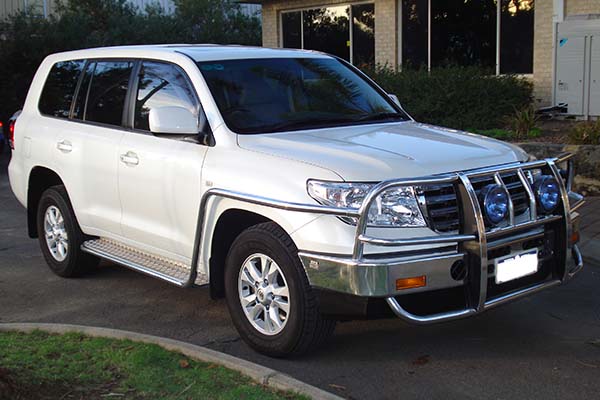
(163, 268)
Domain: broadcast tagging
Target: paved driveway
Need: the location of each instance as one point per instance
(543, 347)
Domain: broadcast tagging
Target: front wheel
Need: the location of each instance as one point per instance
(270, 300)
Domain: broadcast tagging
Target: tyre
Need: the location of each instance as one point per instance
(60, 236)
(269, 298)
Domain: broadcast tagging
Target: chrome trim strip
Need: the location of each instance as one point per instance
(429, 319)
(566, 212)
(481, 251)
(576, 254)
(530, 194)
(505, 168)
(524, 225)
(423, 240)
(520, 293)
(511, 207)
(515, 239)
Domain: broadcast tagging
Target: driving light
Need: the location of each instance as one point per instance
(396, 207)
(495, 203)
(547, 192)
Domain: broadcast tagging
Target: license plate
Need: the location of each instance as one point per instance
(518, 266)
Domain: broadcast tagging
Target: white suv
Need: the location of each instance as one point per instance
(289, 182)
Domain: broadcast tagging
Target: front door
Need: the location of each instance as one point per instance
(160, 176)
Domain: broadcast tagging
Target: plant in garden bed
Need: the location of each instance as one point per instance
(587, 132)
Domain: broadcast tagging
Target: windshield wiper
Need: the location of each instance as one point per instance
(382, 116)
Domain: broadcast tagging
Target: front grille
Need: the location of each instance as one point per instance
(442, 205)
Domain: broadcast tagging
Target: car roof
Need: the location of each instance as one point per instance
(198, 52)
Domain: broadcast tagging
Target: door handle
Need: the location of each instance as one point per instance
(65, 146)
(130, 158)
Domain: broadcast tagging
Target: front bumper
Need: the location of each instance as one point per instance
(466, 262)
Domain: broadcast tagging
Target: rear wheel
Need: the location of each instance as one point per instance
(60, 236)
(270, 300)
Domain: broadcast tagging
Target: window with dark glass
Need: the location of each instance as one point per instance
(59, 88)
(107, 92)
(283, 94)
(327, 30)
(463, 32)
(363, 34)
(414, 33)
(516, 36)
(291, 25)
(161, 85)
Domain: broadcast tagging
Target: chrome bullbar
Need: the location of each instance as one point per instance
(472, 238)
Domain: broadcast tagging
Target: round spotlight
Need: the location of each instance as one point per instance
(547, 192)
(495, 203)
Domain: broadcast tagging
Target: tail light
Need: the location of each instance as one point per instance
(11, 134)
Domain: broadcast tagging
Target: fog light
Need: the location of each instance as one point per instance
(411, 283)
(547, 192)
(495, 203)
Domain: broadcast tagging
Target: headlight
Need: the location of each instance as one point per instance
(547, 192)
(495, 203)
(396, 207)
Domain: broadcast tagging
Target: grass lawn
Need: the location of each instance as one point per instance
(40, 365)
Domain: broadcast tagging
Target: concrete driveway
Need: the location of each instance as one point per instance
(542, 347)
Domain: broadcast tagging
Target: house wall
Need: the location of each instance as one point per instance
(543, 52)
(10, 7)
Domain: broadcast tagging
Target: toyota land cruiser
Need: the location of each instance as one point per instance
(287, 181)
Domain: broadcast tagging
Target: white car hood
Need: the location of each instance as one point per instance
(385, 151)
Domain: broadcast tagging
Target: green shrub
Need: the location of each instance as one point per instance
(585, 133)
(500, 134)
(523, 122)
(456, 97)
(27, 39)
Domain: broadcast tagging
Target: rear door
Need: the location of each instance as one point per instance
(88, 149)
(160, 175)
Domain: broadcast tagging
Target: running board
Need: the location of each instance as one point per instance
(172, 271)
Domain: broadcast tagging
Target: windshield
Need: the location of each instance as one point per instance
(285, 94)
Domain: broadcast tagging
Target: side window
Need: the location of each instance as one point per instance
(161, 85)
(59, 88)
(107, 92)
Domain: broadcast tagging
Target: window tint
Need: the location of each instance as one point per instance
(107, 92)
(161, 85)
(282, 94)
(59, 88)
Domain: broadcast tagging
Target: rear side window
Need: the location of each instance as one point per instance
(59, 88)
(103, 92)
(161, 85)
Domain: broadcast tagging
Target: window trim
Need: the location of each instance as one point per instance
(132, 96)
(319, 5)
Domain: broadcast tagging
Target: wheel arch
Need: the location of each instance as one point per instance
(40, 179)
(228, 227)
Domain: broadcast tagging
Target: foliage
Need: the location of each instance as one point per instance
(500, 134)
(523, 121)
(587, 132)
(27, 39)
(456, 97)
(100, 368)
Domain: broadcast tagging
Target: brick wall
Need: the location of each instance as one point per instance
(582, 7)
(386, 44)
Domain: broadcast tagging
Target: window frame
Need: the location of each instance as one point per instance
(498, 39)
(321, 5)
(129, 123)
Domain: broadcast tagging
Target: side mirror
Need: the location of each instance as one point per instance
(395, 99)
(173, 120)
